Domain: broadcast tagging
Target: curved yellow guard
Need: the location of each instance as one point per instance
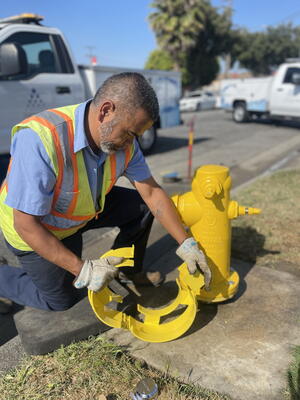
(151, 329)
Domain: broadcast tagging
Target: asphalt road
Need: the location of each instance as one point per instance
(248, 148)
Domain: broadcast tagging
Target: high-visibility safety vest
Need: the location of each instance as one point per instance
(72, 205)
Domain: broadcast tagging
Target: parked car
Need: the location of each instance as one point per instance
(197, 100)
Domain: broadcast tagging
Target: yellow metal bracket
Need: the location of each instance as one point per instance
(150, 328)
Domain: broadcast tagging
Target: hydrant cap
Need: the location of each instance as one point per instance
(212, 169)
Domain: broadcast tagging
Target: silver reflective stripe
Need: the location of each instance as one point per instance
(61, 222)
(56, 120)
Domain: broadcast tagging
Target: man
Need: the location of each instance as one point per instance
(64, 164)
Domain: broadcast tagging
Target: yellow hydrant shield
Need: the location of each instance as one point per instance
(150, 329)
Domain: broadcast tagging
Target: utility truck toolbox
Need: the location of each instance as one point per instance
(38, 72)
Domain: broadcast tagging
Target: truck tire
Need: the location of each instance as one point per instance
(240, 113)
(147, 140)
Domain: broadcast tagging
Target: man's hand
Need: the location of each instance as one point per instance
(190, 253)
(95, 274)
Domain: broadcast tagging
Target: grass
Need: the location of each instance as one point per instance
(85, 370)
(271, 238)
(293, 377)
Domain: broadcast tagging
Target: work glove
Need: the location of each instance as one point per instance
(190, 253)
(95, 274)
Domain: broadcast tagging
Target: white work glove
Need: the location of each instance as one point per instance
(190, 253)
(95, 274)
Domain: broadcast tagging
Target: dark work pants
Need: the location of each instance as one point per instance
(42, 284)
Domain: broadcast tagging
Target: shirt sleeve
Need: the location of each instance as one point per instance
(137, 169)
(31, 179)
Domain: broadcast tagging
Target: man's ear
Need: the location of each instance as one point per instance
(106, 110)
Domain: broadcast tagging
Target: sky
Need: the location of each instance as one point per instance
(118, 33)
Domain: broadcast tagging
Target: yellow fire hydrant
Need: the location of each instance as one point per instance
(207, 210)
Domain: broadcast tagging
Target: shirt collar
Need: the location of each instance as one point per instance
(80, 139)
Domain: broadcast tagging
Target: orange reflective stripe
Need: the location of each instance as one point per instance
(9, 165)
(4, 185)
(27, 120)
(113, 169)
(72, 217)
(59, 154)
(73, 202)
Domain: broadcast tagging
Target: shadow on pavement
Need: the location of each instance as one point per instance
(168, 143)
(285, 123)
(8, 328)
(248, 244)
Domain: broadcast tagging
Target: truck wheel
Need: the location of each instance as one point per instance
(147, 140)
(198, 107)
(240, 113)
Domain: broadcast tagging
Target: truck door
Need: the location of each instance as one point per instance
(285, 95)
(49, 80)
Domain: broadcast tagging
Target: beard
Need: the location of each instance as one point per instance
(108, 147)
(105, 131)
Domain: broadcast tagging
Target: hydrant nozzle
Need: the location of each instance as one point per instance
(235, 210)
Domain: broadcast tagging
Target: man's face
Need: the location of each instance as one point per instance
(119, 132)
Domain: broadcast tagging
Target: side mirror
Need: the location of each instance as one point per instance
(296, 78)
(13, 60)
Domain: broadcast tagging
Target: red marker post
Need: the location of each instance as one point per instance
(190, 146)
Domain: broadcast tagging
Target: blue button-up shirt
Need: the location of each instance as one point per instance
(31, 180)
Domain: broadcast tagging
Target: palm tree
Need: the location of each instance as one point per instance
(177, 24)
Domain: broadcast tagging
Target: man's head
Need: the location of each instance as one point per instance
(123, 108)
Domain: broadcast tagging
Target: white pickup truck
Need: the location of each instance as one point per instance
(37, 72)
(277, 97)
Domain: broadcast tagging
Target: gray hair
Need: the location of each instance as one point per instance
(131, 91)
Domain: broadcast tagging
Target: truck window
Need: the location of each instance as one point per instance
(39, 53)
(289, 73)
(63, 54)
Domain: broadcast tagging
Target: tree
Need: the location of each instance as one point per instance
(262, 52)
(176, 24)
(193, 33)
(159, 59)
